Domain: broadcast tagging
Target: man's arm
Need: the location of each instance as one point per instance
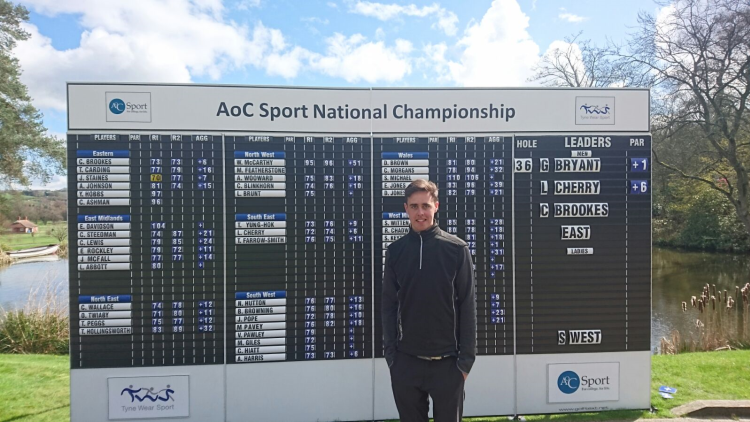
(390, 310)
(466, 305)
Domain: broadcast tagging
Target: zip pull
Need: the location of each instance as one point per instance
(421, 242)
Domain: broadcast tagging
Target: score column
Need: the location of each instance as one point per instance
(330, 203)
(475, 207)
(205, 273)
(178, 202)
(494, 261)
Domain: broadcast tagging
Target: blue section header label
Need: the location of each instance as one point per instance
(112, 218)
(259, 154)
(395, 216)
(279, 294)
(405, 155)
(260, 217)
(102, 154)
(104, 299)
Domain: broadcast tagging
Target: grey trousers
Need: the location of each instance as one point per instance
(414, 379)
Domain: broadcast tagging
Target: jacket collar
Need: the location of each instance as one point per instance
(425, 234)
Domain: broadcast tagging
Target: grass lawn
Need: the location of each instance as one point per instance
(25, 240)
(697, 376)
(34, 388)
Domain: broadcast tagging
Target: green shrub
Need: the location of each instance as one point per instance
(694, 216)
(35, 332)
(711, 223)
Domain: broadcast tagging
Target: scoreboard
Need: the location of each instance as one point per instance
(230, 242)
(301, 286)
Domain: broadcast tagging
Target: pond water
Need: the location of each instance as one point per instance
(33, 279)
(679, 275)
(676, 277)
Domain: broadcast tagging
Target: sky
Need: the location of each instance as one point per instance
(337, 43)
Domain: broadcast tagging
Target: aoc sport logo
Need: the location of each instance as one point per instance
(568, 382)
(128, 106)
(117, 106)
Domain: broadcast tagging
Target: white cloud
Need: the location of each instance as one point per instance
(169, 41)
(312, 23)
(332, 5)
(315, 19)
(355, 59)
(177, 40)
(566, 56)
(447, 21)
(56, 183)
(248, 4)
(559, 47)
(665, 19)
(570, 17)
(287, 65)
(435, 60)
(496, 51)
(667, 23)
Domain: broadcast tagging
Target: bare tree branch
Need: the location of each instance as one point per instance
(700, 50)
(711, 184)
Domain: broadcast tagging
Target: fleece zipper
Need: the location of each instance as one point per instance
(421, 242)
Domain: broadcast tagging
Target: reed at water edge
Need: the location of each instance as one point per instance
(4, 258)
(722, 322)
(41, 326)
(62, 250)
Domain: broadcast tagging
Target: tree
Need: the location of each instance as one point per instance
(699, 54)
(26, 150)
(696, 58)
(579, 63)
(60, 233)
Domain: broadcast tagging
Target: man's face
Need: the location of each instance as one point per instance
(421, 209)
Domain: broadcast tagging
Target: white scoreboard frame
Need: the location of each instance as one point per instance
(354, 389)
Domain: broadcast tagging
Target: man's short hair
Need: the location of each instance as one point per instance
(421, 185)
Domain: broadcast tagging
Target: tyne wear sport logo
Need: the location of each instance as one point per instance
(141, 394)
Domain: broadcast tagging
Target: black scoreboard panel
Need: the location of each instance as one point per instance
(474, 178)
(582, 243)
(146, 248)
(558, 225)
(299, 248)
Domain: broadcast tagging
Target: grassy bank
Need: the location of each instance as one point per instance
(15, 242)
(34, 388)
(697, 376)
(701, 376)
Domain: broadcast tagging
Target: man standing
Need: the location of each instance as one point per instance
(429, 313)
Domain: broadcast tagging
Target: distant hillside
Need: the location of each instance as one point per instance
(40, 206)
